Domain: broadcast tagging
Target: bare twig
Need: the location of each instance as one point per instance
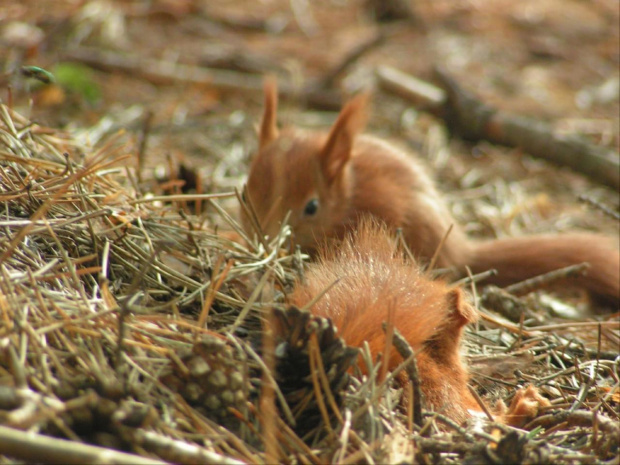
(537, 282)
(329, 79)
(405, 350)
(267, 396)
(180, 451)
(599, 206)
(411, 88)
(33, 447)
(144, 135)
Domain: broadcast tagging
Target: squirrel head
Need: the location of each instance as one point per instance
(304, 174)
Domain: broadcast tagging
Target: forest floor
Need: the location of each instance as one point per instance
(176, 86)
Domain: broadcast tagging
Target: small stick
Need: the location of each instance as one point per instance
(389, 337)
(317, 297)
(406, 352)
(344, 436)
(32, 447)
(144, 135)
(544, 280)
(431, 265)
(410, 408)
(266, 401)
(599, 206)
(251, 300)
(355, 54)
(432, 416)
(213, 288)
(248, 209)
(474, 278)
(317, 387)
(577, 324)
(411, 88)
(231, 221)
(179, 451)
(181, 197)
(481, 403)
(301, 445)
(505, 324)
(314, 346)
(578, 418)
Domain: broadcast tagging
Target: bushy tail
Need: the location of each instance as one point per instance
(521, 258)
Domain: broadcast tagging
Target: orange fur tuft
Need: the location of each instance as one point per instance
(366, 275)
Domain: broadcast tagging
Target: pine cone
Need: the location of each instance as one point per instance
(293, 331)
(211, 380)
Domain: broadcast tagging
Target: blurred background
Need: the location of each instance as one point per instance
(187, 74)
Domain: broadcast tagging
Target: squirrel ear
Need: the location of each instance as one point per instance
(462, 311)
(269, 126)
(459, 313)
(337, 150)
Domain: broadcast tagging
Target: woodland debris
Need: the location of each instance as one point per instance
(328, 80)
(599, 206)
(420, 92)
(108, 294)
(32, 447)
(537, 282)
(162, 72)
(411, 367)
(384, 11)
(472, 119)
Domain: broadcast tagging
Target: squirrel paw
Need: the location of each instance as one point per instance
(524, 407)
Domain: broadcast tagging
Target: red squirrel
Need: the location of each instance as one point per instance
(329, 180)
(365, 275)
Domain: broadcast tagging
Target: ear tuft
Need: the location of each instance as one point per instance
(269, 126)
(337, 150)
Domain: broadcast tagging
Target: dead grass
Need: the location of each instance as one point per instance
(131, 324)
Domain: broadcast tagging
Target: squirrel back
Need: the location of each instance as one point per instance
(328, 181)
(367, 276)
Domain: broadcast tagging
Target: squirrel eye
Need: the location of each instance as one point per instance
(311, 207)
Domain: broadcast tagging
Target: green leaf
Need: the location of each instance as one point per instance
(37, 73)
(78, 79)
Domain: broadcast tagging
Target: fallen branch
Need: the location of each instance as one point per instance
(32, 447)
(472, 119)
(468, 116)
(163, 72)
